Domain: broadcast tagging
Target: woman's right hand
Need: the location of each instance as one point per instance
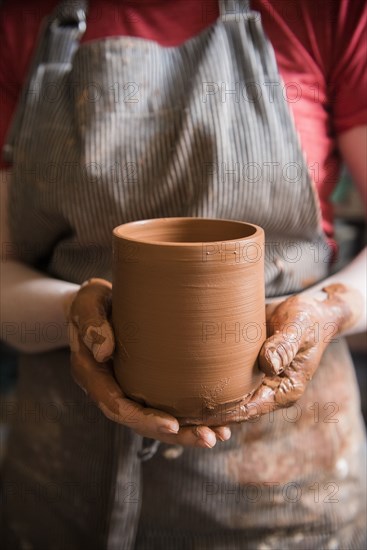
(92, 346)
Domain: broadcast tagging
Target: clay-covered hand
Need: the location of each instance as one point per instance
(92, 346)
(299, 329)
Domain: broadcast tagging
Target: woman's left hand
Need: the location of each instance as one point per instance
(300, 328)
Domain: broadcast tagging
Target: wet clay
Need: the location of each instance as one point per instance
(188, 312)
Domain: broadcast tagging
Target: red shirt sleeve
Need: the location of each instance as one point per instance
(329, 39)
(320, 47)
(348, 67)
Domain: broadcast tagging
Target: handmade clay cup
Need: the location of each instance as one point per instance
(188, 312)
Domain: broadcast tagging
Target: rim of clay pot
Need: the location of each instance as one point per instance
(237, 230)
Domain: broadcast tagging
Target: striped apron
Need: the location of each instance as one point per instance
(122, 129)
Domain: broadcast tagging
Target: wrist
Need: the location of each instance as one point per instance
(332, 309)
(337, 306)
(344, 304)
(67, 297)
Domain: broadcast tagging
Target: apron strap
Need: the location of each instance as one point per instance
(59, 38)
(233, 9)
(71, 13)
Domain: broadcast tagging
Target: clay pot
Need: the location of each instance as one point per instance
(189, 315)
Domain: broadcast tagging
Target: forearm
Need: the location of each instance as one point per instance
(353, 277)
(33, 308)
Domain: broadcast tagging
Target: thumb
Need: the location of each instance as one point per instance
(278, 352)
(89, 312)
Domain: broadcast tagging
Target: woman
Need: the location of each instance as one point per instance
(145, 110)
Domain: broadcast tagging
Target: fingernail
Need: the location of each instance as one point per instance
(225, 435)
(95, 347)
(100, 357)
(167, 430)
(275, 361)
(204, 443)
(209, 440)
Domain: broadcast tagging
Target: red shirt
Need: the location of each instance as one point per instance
(320, 47)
